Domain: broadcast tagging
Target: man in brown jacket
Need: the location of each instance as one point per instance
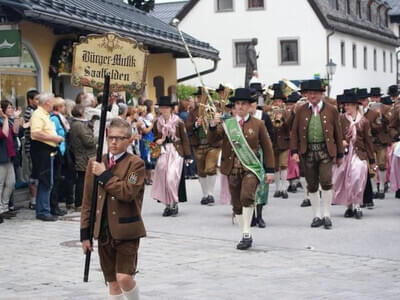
(280, 119)
(242, 181)
(119, 224)
(317, 136)
(206, 154)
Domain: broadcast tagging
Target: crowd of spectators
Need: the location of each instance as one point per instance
(47, 148)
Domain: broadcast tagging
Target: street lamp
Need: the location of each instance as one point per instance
(330, 69)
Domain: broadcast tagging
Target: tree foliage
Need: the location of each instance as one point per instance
(146, 5)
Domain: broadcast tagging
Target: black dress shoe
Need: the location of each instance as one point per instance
(284, 195)
(210, 200)
(59, 212)
(375, 195)
(261, 223)
(349, 213)
(327, 222)
(204, 201)
(299, 185)
(317, 222)
(386, 189)
(292, 189)
(1, 220)
(245, 243)
(174, 211)
(167, 212)
(381, 195)
(370, 205)
(398, 194)
(358, 213)
(277, 194)
(49, 218)
(305, 203)
(6, 216)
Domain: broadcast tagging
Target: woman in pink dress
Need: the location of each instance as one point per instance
(349, 179)
(170, 134)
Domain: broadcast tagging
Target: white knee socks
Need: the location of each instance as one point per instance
(247, 214)
(382, 179)
(327, 200)
(117, 297)
(133, 294)
(374, 184)
(284, 185)
(203, 184)
(316, 207)
(304, 184)
(277, 181)
(211, 179)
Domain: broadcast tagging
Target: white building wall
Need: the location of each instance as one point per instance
(347, 76)
(280, 19)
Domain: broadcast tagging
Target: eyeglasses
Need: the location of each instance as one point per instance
(117, 138)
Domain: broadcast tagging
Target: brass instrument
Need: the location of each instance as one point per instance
(207, 108)
(228, 89)
(276, 115)
(288, 87)
(269, 93)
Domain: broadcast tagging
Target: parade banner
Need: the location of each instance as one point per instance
(123, 59)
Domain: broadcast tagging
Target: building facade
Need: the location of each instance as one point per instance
(47, 30)
(296, 40)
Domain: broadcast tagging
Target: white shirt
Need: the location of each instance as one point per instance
(116, 156)
(319, 105)
(245, 118)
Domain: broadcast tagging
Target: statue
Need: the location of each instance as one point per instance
(251, 61)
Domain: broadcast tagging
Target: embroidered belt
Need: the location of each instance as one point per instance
(316, 146)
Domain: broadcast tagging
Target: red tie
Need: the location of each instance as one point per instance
(111, 162)
(241, 123)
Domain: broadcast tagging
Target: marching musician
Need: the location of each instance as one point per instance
(380, 138)
(394, 128)
(206, 154)
(280, 121)
(317, 136)
(241, 137)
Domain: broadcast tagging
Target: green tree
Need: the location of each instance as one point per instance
(146, 5)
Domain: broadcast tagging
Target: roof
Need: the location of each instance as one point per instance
(167, 11)
(351, 24)
(186, 9)
(100, 16)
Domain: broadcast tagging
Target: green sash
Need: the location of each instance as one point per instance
(242, 149)
(247, 157)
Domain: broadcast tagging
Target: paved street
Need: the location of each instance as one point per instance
(193, 256)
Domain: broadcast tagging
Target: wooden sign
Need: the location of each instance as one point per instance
(124, 59)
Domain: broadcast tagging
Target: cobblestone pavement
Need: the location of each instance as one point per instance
(193, 256)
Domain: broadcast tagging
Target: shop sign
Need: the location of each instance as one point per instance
(10, 47)
(124, 59)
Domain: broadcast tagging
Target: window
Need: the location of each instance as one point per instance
(384, 61)
(343, 53)
(289, 52)
(348, 8)
(334, 4)
(365, 58)
(158, 83)
(391, 62)
(354, 56)
(16, 79)
(240, 53)
(369, 12)
(375, 60)
(254, 4)
(358, 8)
(386, 19)
(224, 5)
